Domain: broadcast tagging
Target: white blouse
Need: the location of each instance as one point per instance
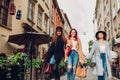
(74, 44)
(102, 48)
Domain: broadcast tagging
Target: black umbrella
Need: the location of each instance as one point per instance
(25, 38)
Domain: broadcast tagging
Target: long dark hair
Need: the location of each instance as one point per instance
(76, 36)
(54, 39)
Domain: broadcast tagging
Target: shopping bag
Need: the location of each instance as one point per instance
(48, 68)
(81, 71)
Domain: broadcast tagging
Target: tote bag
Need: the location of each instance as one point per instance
(81, 71)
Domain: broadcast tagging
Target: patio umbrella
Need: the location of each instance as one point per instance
(25, 38)
(29, 38)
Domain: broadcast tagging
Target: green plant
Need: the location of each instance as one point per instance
(118, 35)
(62, 64)
(90, 43)
(19, 62)
(14, 59)
(113, 40)
(3, 61)
(88, 61)
(35, 63)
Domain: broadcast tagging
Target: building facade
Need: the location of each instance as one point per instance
(34, 14)
(57, 15)
(67, 25)
(20, 16)
(41, 15)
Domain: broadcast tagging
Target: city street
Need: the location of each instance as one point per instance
(36, 35)
(90, 76)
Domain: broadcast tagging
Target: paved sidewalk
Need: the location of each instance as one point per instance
(90, 76)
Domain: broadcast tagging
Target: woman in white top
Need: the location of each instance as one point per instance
(76, 52)
(101, 56)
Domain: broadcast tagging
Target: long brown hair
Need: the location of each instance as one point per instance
(54, 39)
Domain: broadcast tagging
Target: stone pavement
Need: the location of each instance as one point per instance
(90, 76)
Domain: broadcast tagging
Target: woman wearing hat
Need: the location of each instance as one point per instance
(56, 49)
(100, 53)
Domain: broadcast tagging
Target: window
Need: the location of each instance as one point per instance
(106, 1)
(108, 24)
(39, 19)
(4, 5)
(30, 10)
(45, 23)
(47, 1)
(52, 12)
(104, 8)
(105, 29)
(113, 11)
(51, 29)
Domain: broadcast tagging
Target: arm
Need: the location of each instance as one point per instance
(49, 53)
(66, 46)
(82, 58)
(79, 46)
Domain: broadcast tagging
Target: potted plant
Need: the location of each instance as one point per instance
(13, 67)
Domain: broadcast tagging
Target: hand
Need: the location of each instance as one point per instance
(68, 45)
(65, 59)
